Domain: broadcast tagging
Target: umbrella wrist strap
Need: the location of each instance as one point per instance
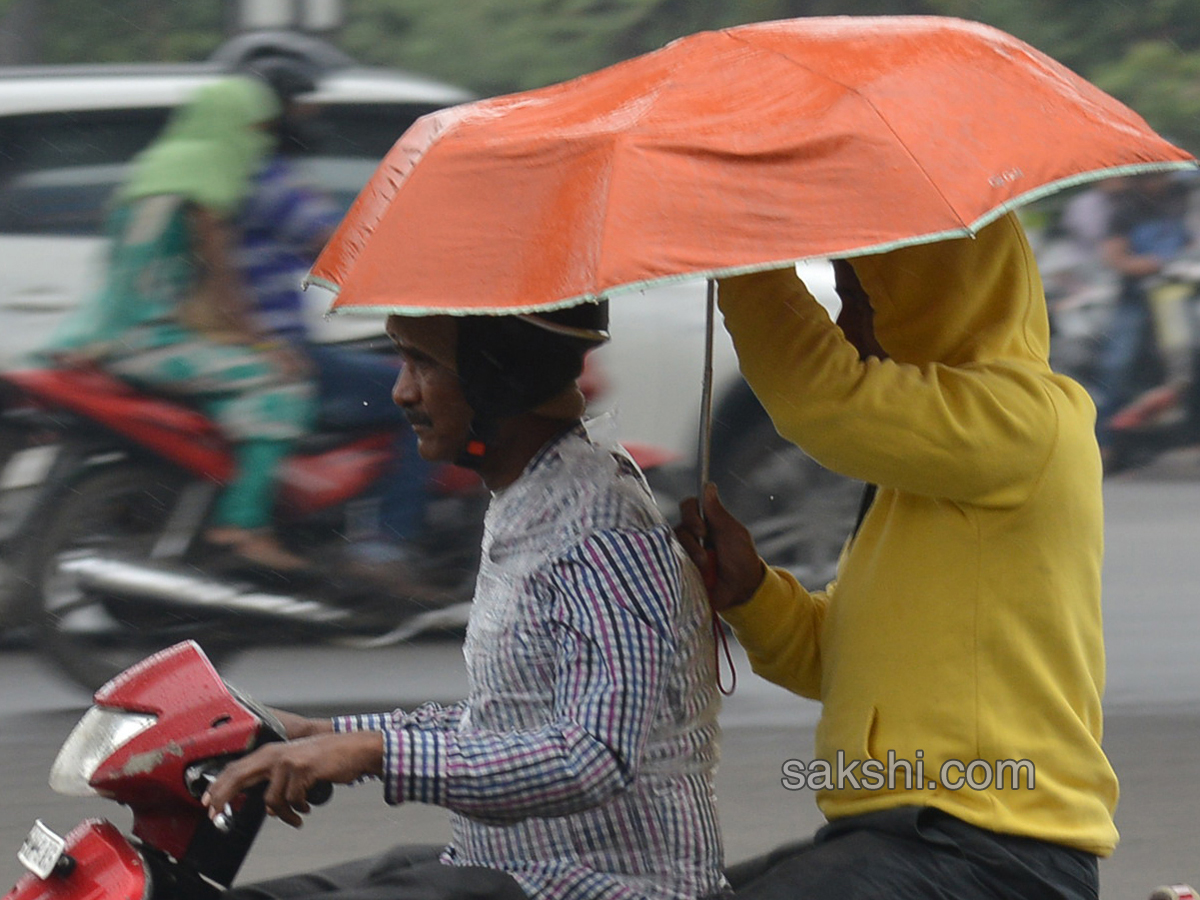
(721, 647)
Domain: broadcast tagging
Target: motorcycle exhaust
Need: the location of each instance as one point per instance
(175, 588)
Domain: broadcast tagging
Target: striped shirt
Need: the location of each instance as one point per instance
(282, 223)
(582, 761)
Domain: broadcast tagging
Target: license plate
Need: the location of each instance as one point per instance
(28, 467)
(42, 850)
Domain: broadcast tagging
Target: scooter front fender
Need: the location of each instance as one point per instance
(103, 866)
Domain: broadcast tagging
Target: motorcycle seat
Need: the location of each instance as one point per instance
(96, 393)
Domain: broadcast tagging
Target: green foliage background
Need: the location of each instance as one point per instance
(1147, 52)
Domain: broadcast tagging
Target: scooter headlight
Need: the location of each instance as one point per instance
(99, 734)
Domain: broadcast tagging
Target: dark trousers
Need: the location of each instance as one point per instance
(403, 873)
(916, 853)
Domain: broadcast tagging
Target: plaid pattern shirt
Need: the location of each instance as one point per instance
(582, 760)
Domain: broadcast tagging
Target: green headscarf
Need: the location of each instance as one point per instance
(207, 154)
(210, 146)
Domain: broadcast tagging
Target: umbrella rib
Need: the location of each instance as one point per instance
(597, 289)
(850, 89)
(617, 140)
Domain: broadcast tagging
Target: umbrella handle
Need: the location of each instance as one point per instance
(709, 570)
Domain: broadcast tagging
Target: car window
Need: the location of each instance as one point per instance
(350, 139)
(59, 170)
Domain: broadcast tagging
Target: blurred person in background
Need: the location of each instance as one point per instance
(1086, 220)
(173, 316)
(1147, 231)
(283, 225)
(1079, 285)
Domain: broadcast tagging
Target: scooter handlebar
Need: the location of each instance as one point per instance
(319, 793)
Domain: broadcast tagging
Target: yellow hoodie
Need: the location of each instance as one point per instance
(965, 620)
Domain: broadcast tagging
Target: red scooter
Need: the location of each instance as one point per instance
(158, 735)
(105, 559)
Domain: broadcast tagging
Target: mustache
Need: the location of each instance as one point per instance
(417, 418)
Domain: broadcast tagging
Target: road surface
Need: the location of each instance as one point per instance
(1152, 603)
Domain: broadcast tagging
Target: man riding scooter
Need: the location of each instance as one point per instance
(581, 763)
(282, 226)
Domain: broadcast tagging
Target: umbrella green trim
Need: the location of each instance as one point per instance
(969, 230)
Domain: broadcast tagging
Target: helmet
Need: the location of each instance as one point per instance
(512, 364)
(287, 75)
(508, 365)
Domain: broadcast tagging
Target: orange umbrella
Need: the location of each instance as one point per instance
(723, 152)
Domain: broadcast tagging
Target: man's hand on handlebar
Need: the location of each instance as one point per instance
(292, 768)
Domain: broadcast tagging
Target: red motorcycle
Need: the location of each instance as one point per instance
(158, 735)
(156, 738)
(105, 561)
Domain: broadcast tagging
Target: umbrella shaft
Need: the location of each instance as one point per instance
(706, 393)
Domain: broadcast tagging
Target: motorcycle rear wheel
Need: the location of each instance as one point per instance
(13, 600)
(119, 509)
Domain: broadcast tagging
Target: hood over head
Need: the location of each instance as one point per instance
(960, 301)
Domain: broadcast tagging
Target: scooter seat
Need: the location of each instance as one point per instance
(105, 397)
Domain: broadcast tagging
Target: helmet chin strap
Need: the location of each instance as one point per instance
(568, 405)
(479, 440)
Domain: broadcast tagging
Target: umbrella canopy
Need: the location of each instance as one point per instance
(725, 152)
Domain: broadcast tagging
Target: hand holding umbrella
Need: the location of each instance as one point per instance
(717, 535)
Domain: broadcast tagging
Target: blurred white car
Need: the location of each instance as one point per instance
(68, 133)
